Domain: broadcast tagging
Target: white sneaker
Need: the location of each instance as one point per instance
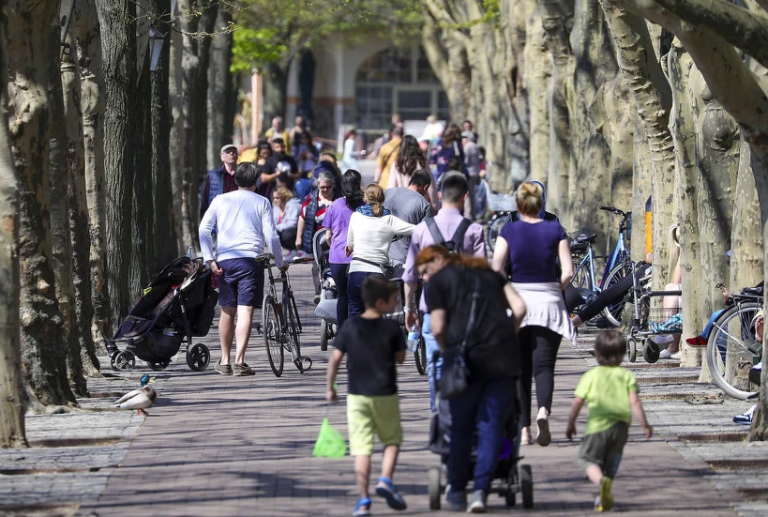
(666, 354)
(543, 437)
(663, 340)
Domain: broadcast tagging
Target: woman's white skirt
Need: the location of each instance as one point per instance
(545, 307)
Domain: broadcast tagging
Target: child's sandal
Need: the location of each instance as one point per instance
(362, 508)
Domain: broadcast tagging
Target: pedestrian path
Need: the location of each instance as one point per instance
(233, 446)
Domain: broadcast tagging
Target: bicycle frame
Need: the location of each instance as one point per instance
(588, 262)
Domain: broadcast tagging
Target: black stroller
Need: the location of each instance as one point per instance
(508, 481)
(176, 306)
(326, 308)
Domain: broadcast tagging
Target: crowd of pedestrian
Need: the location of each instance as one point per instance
(410, 241)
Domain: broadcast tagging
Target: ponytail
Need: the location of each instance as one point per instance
(374, 196)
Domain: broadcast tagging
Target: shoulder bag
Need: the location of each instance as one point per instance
(454, 378)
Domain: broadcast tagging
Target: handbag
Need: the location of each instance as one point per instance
(454, 377)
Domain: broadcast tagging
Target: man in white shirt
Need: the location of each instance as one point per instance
(243, 223)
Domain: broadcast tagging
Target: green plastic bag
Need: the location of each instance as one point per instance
(330, 443)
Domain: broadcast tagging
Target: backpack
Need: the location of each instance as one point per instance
(456, 243)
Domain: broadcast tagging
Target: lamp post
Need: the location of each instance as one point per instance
(156, 41)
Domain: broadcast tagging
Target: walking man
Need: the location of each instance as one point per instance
(243, 223)
(411, 204)
(221, 180)
(449, 222)
(278, 131)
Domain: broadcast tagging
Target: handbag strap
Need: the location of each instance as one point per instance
(472, 312)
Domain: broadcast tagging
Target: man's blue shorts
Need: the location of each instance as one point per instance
(242, 282)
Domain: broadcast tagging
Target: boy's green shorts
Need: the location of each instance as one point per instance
(366, 415)
(604, 449)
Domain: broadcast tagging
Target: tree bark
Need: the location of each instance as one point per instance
(641, 191)
(746, 235)
(30, 118)
(536, 77)
(12, 429)
(220, 100)
(92, 92)
(78, 206)
(118, 40)
(164, 230)
(176, 87)
(60, 176)
(206, 26)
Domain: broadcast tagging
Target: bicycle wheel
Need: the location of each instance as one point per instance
(613, 312)
(294, 339)
(420, 356)
(732, 350)
(494, 229)
(272, 335)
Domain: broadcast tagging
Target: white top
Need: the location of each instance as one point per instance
(349, 158)
(370, 238)
(244, 224)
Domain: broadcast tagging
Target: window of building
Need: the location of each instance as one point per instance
(398, 80)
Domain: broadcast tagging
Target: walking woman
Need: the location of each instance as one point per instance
(409, 160)
(448, 149)
(267, 172)
(533, 246)
(371, 230)
(468, 301)
(336, 223)
(349, 158)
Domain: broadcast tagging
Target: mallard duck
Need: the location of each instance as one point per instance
(146, 379)
(137, 399)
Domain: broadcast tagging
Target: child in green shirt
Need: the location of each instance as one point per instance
(610, 392)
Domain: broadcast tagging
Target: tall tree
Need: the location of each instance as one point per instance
(28, 37)
(92, 93)
(118, 42)
(12, 430)
(221, 100)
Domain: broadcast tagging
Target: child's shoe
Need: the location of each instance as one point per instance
(604, 501)
(477, 504)
(388, 491)
(362, 508)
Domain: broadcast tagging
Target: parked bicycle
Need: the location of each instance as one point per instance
(618, 264)
(280, 320)
(732, 346)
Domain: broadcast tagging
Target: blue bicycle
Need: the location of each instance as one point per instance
(618, 264)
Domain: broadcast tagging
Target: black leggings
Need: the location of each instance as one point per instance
(612, 295)
(538, 353)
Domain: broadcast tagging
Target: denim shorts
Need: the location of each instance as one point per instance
(242, 282)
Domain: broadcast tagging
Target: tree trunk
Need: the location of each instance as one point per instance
(536, 77)
(43, 354)
(206, 25)
(641, 191)
(12, 431)
(92, 92)
(142, 209)
(176, 87)
(220, 101)
(746, 235)
(60, 177)
(164, 230)
(190, 168)
(119, 57)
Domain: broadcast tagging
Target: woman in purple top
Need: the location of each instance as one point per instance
(534, 246)
(336, 222)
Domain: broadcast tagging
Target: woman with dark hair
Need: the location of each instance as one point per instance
(411, 159)
(371, 231)
(468, 303)
(267, 173)
(448, 148)
(336, 223)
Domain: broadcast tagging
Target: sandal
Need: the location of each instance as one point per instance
(362, 508)
(697, 400)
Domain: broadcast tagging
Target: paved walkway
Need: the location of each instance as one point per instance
(227, 446)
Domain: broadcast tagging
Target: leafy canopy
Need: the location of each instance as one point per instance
(274, 31)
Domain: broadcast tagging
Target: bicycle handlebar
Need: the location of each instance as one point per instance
(614, 210)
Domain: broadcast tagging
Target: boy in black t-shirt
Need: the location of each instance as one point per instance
(374, 345)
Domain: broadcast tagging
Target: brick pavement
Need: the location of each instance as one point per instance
(226, 446)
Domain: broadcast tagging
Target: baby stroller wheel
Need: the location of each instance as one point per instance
(435, 489)
(526, 486)
(324, 331)
(158, 366)
(510, 496)
(125, 360)
(198, 357)
(631, 350)
(651, 351)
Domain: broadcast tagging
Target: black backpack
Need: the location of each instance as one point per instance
(456, 243)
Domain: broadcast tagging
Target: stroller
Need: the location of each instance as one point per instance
(508, 481)
(326, 308)
(178, 304)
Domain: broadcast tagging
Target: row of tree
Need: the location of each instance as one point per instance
(613, 102)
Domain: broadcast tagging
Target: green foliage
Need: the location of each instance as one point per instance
(491, 15)
(274, 31)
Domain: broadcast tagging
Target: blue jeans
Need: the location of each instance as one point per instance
(354, 290)
(433, 369)
(484, 406)
(339, 275)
